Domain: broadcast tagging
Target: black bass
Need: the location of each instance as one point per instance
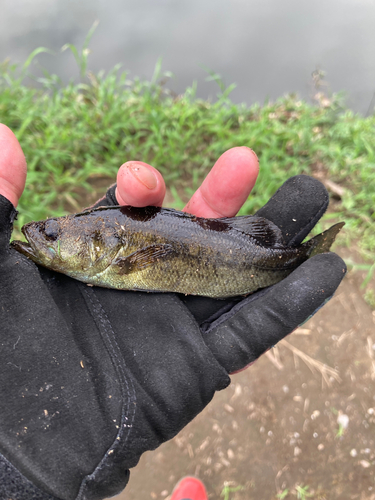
(163, 250)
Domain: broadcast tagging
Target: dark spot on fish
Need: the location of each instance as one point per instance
(212, 224)
(140, 214)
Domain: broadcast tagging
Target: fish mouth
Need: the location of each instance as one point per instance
(31, 250)
(25, 248)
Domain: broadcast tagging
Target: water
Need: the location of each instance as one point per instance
(267, 47)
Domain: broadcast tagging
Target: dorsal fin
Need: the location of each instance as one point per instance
(265, 232)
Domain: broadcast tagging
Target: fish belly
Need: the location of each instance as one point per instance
(193, 278)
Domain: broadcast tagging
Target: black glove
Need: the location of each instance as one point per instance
(90, 378)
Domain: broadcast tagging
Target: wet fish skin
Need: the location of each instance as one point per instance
(164, 250)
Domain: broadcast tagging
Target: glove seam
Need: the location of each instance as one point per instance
(127, 389)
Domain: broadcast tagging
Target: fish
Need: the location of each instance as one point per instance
(157, 249)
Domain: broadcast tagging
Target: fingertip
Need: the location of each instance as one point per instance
(296, 207)
(261, 320)
(13, 166)
(139, 185)
(246, 151)
(227, 185)
(308, 287)
(327, 268)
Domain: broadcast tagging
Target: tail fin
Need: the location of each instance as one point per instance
(323, 241)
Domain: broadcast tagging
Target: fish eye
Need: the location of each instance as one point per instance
(51, 229)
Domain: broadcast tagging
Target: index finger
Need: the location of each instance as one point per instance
(227, 186)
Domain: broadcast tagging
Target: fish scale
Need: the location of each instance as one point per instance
(163, 250)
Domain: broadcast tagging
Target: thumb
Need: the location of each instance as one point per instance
(12, 166)
(258, 322)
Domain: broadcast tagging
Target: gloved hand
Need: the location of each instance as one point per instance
(90, 378)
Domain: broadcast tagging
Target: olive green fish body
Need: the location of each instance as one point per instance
(156, 249)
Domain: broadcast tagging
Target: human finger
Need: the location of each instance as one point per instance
(296, 207)
(260, 321)
(227, 185)
(12, 166)
(139, 185)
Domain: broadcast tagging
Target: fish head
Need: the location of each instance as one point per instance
(66, 243)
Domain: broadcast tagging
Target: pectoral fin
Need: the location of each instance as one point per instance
(142, 259)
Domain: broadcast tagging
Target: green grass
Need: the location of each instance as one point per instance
(300, 492)
(226, 492)
(74, 134)
(283, 494)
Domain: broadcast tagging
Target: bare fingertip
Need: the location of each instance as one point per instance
(139, 184)
(253, 152)
(144, 175)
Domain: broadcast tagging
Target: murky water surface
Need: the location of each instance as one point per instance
(266, 47)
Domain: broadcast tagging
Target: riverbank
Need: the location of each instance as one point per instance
(76, 136)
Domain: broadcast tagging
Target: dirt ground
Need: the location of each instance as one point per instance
(299, 423)
(303, 416)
